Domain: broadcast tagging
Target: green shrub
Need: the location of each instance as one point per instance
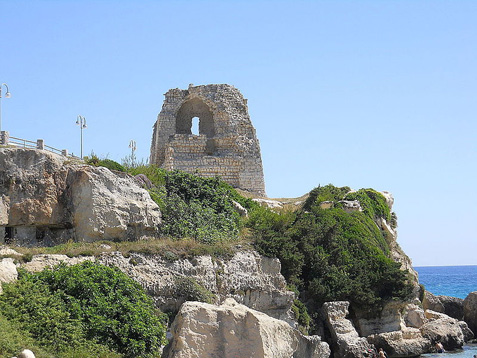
(325, 193)
(94, 160)
(189, 289)
(79, 305)
(373, 203)
(13, 339)
(111, 165)
(301, 316)
(333, 255)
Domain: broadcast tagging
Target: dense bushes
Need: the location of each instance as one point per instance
(95, 309)
(107, 163)
(329, 254)
(195, 207)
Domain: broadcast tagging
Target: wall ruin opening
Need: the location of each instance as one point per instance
(191, 109)
(195, 126)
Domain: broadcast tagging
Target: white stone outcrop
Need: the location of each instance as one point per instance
(233, 330)
(108, 206)
(389, 320)
(26, 353)
(249, 278)
(470, 311)
(404, 343)
(346, 341)
(8, 271)
(445, 330)
(414, 316)
(45, 199)
(47, 261)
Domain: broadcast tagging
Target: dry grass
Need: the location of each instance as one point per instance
(168, 248)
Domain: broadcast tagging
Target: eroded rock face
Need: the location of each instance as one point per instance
(414, 316)
(451, 306)
(445, 330)
(108, 206)
(404, 343)
(346, 341)
(432, 302)
(388, 320)
(470, 311)
(249, 278)
(232, 330)
(46, 200)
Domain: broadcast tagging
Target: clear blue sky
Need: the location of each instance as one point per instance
(379, 94)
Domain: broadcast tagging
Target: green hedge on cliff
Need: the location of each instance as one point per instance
(85, 310)
(329, 254)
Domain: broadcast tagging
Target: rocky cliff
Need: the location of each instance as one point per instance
(46, 199)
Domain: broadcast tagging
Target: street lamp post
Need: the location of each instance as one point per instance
(7, 95)
(132, 145)
(81, 121)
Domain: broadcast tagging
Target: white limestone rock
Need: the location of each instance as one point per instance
(26, 353)
(232, 330)
(108, 206)
(8, 271)
(47, 261)
(445, 330)
(45, 200)
(251, 279)
(389, 320)
(414, 316)
(404, 343)
(346, 341)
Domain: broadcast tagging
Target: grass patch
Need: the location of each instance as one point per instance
(167, 248)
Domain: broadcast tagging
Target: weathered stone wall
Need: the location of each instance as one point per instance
(226, 144)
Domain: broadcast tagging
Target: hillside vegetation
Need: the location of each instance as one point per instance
(90, 310)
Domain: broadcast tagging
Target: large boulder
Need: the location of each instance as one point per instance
(388, 320)
(346, 342)
(231, 330)
(470, 311)
(451, 306)
(414, 316)
(46, 199)
(404, 343)
(432, 302)
(106, 205)
(445, 330)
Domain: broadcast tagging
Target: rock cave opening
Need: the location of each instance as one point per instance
(9, 235)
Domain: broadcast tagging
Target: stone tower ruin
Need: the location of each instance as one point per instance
(226, 144)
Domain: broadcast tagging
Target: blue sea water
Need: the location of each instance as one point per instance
(455, 281)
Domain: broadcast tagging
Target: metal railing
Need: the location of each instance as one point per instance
(21, 142)
(6, 140)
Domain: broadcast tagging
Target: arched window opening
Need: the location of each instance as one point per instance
(195, 126)
(195, 109)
